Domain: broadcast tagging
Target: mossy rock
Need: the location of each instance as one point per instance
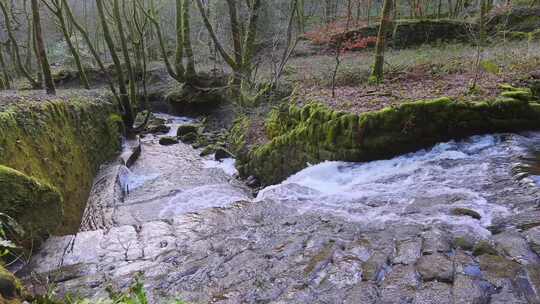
(189, 137)
(208, 151)
(315, 133)
(463, 243)
(498, 267)
(186, 129)
(466, 212)
(525, 95)
(61, 143)
(33, 204)
(189, 99)
(168, 140)
(222, 153)
(11, 289)
(484, 247)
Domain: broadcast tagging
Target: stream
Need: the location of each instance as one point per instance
(392, 231)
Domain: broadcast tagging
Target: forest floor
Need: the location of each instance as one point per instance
(13, 97)
(425, 72)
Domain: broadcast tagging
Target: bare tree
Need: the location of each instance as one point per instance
(41, 53)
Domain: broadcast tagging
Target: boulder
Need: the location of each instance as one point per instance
(34, 205)
(466, 212)
(158, 129)
(168, 141)
(11, 290)
(533, 237)
(436, 267)
(189, 137)
(222, 153)
(484, 247)
(186, 129)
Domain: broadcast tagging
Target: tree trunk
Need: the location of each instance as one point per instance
(5, 79)
(482, 26)
(16, 53)
(179, 62)
(125, 52)
(124, 97)
(58, 11)
(41, 53)
(190, 65)
(90, 45)
(378, 67)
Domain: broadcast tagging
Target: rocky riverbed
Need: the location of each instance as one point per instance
(458, 223)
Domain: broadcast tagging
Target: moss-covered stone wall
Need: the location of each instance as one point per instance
(408, 33)
(58, 146)
(315, 133)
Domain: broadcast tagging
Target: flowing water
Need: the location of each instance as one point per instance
(336, 232)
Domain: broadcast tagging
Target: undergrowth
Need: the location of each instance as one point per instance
(135, 295)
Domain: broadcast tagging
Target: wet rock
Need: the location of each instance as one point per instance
(222, 153)
(507, 294)
(466, 212)
(435, 267)
(484, 247)
(434, 293)
(365, 293)
(158, 129)
(529, 283)
(435, 240)
(523, 221)
(408, 251)
(498, 270)
(533, 237)
(208, 151)
(10, 287)
(252, 182)
(400, 285)
(466, 291)
(186, 129)
(189, 137)
(168, 141)
(465, 242)
(513, 245)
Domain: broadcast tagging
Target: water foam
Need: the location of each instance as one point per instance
(424, 187)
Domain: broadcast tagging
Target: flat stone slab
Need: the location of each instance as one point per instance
(253, 252)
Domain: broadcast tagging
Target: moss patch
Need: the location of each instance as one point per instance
(62, 144)
(35, 205)
(315, 133)
(11, 290)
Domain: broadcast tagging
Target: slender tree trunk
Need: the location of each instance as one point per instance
(482, 26)
(124, 97)
(378, 67)
(90, 44)
(41, 53)
(5, 73)
(190, 65)
(125, 52)
(58, 11)
(13, 40)
(179, 62)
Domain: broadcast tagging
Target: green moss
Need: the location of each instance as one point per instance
(62, 144)
(314, 133)
(35, 205)
(484, 247)
(11, 289)
(519, 94)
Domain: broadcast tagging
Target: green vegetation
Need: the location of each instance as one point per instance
(61, 144)
(314, 132)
